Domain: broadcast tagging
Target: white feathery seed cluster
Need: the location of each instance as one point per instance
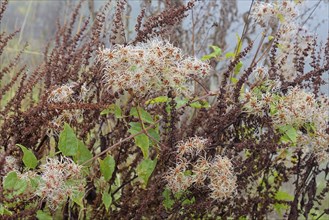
(299, 109)
(67, 94)
(60, 179)
(10, 164)
(187, 173)
(62, 94)
(222, 178)
(281, 18)
(65, 117)
(265, 12)
(150, 68)
(193, 146)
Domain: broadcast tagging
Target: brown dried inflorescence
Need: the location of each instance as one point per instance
(238, 167)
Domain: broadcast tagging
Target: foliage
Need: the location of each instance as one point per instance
(135, 130)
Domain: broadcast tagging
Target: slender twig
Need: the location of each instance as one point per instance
(198, 82)
(259, 47)
(245, 28)
(315, 7)
(24, 23)
(125, 183)
(193, 30)
(318, 218)
(265, 51)
(120, 142)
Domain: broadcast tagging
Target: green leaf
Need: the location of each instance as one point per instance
(234, 80)
(179, 194)
(143, 142)
(281, 17)
(107, 200)
(273, 109)
(196, 105)
(289, 133)
(77, 198)
(167, 201)
(207, 57)
(107, 167)
(281, 46)
(310, 128)
(279, 208)
(239, 45)
(238, 68)
(20, 186)
(68, 142)
(284, 196)
(189, 201)
(200, 104)
(270, 37)
(159, 99)
(41, 215)
(70, 145)
(4, 211)
(154, 133)
(229, 55)
(144, 171)
(135, 127)
(217, 52)
(145, 116)
(83, 154)
(113, 109)
(29, 159)
(117, 112)
(105, 112)
(10, 180)
(180, 102)
(188, 173)
(35, 182)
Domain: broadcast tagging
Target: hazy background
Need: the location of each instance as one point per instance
(37, 20)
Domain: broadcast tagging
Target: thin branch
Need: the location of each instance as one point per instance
(315, 7)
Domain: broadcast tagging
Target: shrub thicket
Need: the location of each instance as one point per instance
(134, 130)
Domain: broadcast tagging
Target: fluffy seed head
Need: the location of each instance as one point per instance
(62, 94)
(59, 180)
(193, 168)
(154, 67)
